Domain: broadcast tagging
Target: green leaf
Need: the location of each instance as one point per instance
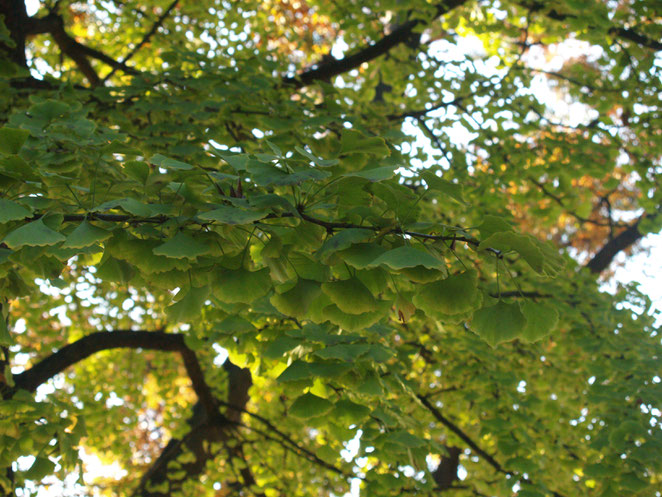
(34, 234)
(242, 286)
(114, 270)
(351, 296)
(315, 159)
(541, 319)
(420, 274)
(12, 139)
(188, 308)
(140, 253)
(348, 352)
(41, 467)
(361, 255)
(5, 337)
(295, 302)
(168, 163)
(236, 161)
(130, 205)
(270, 175)
(137, 170)
(279, 347)
(342, 240)
(498, 323)
(182, 246)
(542, 258)
(456, 294)
(232, 215)
(49, 109)
(11, 211)
(349, 412)
(373, 175)
(86, 234)
(355, 142)
(407, 257)
(355, 322)
(301, 370)
(15, 167)
(405, 439)
(452, 190)
(310, 406)
(493, 224)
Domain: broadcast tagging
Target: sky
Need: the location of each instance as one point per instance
(642, 268)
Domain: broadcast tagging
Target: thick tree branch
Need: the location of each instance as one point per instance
(79, 53)
(206, 429)
(639, 39)
(624, 240)
(106, 340)
(334, 67)
(13, 13)
(207, 423)
(617, 31)
(446, 473)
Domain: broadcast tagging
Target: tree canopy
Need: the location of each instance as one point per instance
(293, 247)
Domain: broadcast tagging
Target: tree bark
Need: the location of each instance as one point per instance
(15, 16)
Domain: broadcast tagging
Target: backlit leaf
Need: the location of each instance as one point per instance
(12, 139)
(188, 308)
(168, 163)
(355, 142)
(11, 211)
(407, 257)
(310, 406)
(241, 285)
(351, 296)
(541, 319)
(295, 302)
(498, 323)
(456, 294)
(33, 234)
(343, 240)
(86, 234)
(232, 215)
(182, 246)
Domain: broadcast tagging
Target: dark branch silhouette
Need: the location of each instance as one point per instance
(207, 431)
(617, 31)
(624, 240)
(334, 67)
(105, 340)
(207, 423)
(53, 24)
(155, 27)
(463, 436)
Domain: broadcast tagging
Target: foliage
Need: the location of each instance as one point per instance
(177, 184)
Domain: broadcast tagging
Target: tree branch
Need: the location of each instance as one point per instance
(106, 340)
(206, 429)
(617, 31)
(624, 240)
(79, 53)
(638, 38)
(463, 436)
(334, 67)
(14, 13)
(157, 24)
(285, 440)
(329, 225)
(207, 423)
